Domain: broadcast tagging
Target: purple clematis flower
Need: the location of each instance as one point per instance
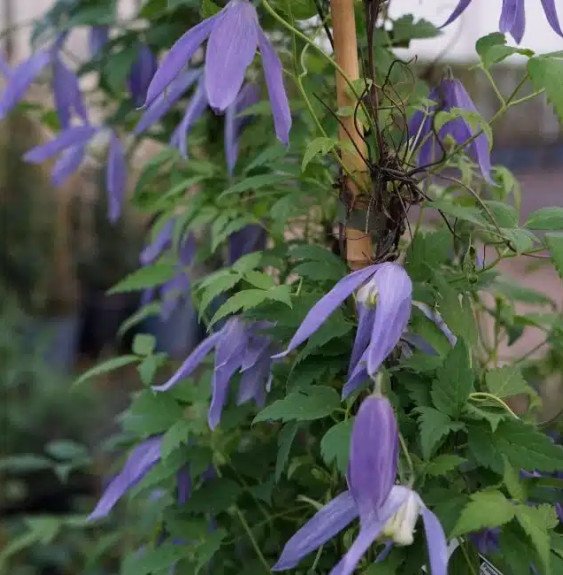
(234, 35)
(239, 347)
(384, 306)
(67, 95)
(251, 238)
(513, 16)
(97, 39)
(431, 145)
(142, 459)
(141, 74)
(385, 510)
(70, 145)
(486, 541)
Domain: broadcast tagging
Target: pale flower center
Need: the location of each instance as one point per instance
(367, 294)
(400, 528)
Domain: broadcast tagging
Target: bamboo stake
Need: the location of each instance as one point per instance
(359, 248)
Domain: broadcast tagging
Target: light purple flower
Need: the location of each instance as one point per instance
(97, 39)
(386, 511)
(142, 459)
(239, 347)
(67, 95)
(513, 16)
(141, 74)
(449, 95)
(116, 178)
(486, 541)
(384, 306)
(234, 35)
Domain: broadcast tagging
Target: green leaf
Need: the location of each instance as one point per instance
(221, 285)
(555, 245)
(335, 445)
(144, 344)
(209, 8)
(443, 464)
(215, 496)
(252, 183)
(454, 382)
(151, 413)
(508, 381)
(513, 483)
(434, 426)
(147, 277)
(487, 509)
(24, 463)
(259, 280)
(303, 405)
(317, 146)
(536, 522)
(493, 49)
(242, 300)
(547, 73)
(405, 29)
(546, 219)
(176, 436)
(66, 450)
(285, 441)
(107, 367)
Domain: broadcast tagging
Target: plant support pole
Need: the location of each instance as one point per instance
(359, 249)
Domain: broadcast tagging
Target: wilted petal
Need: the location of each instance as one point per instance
(194, 111)
(230, 50)
(166, 101)
(141, 460)
(373, 456)
(460, 8)
(161, 243)
(320, 312)
(67, 94)
(67, 164)
(142, 72)
(97, 39)
(179, 56)
(551, 13)
(20, 80)
(392, 313)
(324, 525)
(251, 238)
(192, 363)
(436, 542)
(116, 178)
(273, 73)
(72, 137)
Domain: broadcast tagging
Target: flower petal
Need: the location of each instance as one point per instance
(141, 460)
(230, 50)
(194, 111)
(179, 56)
(392, 313)
(460, 8)
(67, 94)
(327, 305)
(436, 542)
(253, 382)
(20, 80)
(67, 138)
(551, 13)
(166, 101)
(192, 363)
(251, 238)
(366, 317)
(513, 19)
(67, 164)
(323, 526)
(141, 74)
(97, 39)
(116, 180)
(184, 483)
(161, 242)
(373, 456)
(273, 73)
(357, 378)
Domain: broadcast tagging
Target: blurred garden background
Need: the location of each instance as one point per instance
(59, 257)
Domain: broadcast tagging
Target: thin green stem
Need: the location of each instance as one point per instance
(252, 540)
(407, 457)
(492, 397)
(467, 558)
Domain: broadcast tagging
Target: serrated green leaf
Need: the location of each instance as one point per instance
(253, 183)
(508, 381)
(303, 405)
(546, 74)
(221, 285)
(555, 245)
(214, 496)
(536, 522)
(493, 49)
(513, 483)
(177, 435)
(454, 382)
(546, 219)
(487, 509)
(285, 441)
(107, 367)
(321, 145)
(434, 426)
(443, 464)
(144, 278)
(405, 29)
(209, 8)
(151, 413)
(259, 280)
(144, 344)
(335, 445)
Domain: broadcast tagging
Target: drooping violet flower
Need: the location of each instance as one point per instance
(486, 541)
(116, 178)
(234, 35)
(450, 95)
(97, 39)
(384, 306)
(513, 16)
(438, 320)
(142, 459)
(385, 510)
(251, 238)
(141, 74)
(67, 95)
(239, 347)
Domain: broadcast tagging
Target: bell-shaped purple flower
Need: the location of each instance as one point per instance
(384, 306)
(430, 145)
(67, 95)
(239, 347)
(141, 74)
(386, 511)
(513, 16)
(234, 36)
(97, 39)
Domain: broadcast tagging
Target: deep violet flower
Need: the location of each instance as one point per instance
(251, 238)
(513, 16)
(430, 145)
(239, 347)
(97, 39)
(234, 35)
(141, 74)
(384, 306)
(486, 541)
(386, 511)
(70, 145)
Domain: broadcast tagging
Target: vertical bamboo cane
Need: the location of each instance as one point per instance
(359, 248)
